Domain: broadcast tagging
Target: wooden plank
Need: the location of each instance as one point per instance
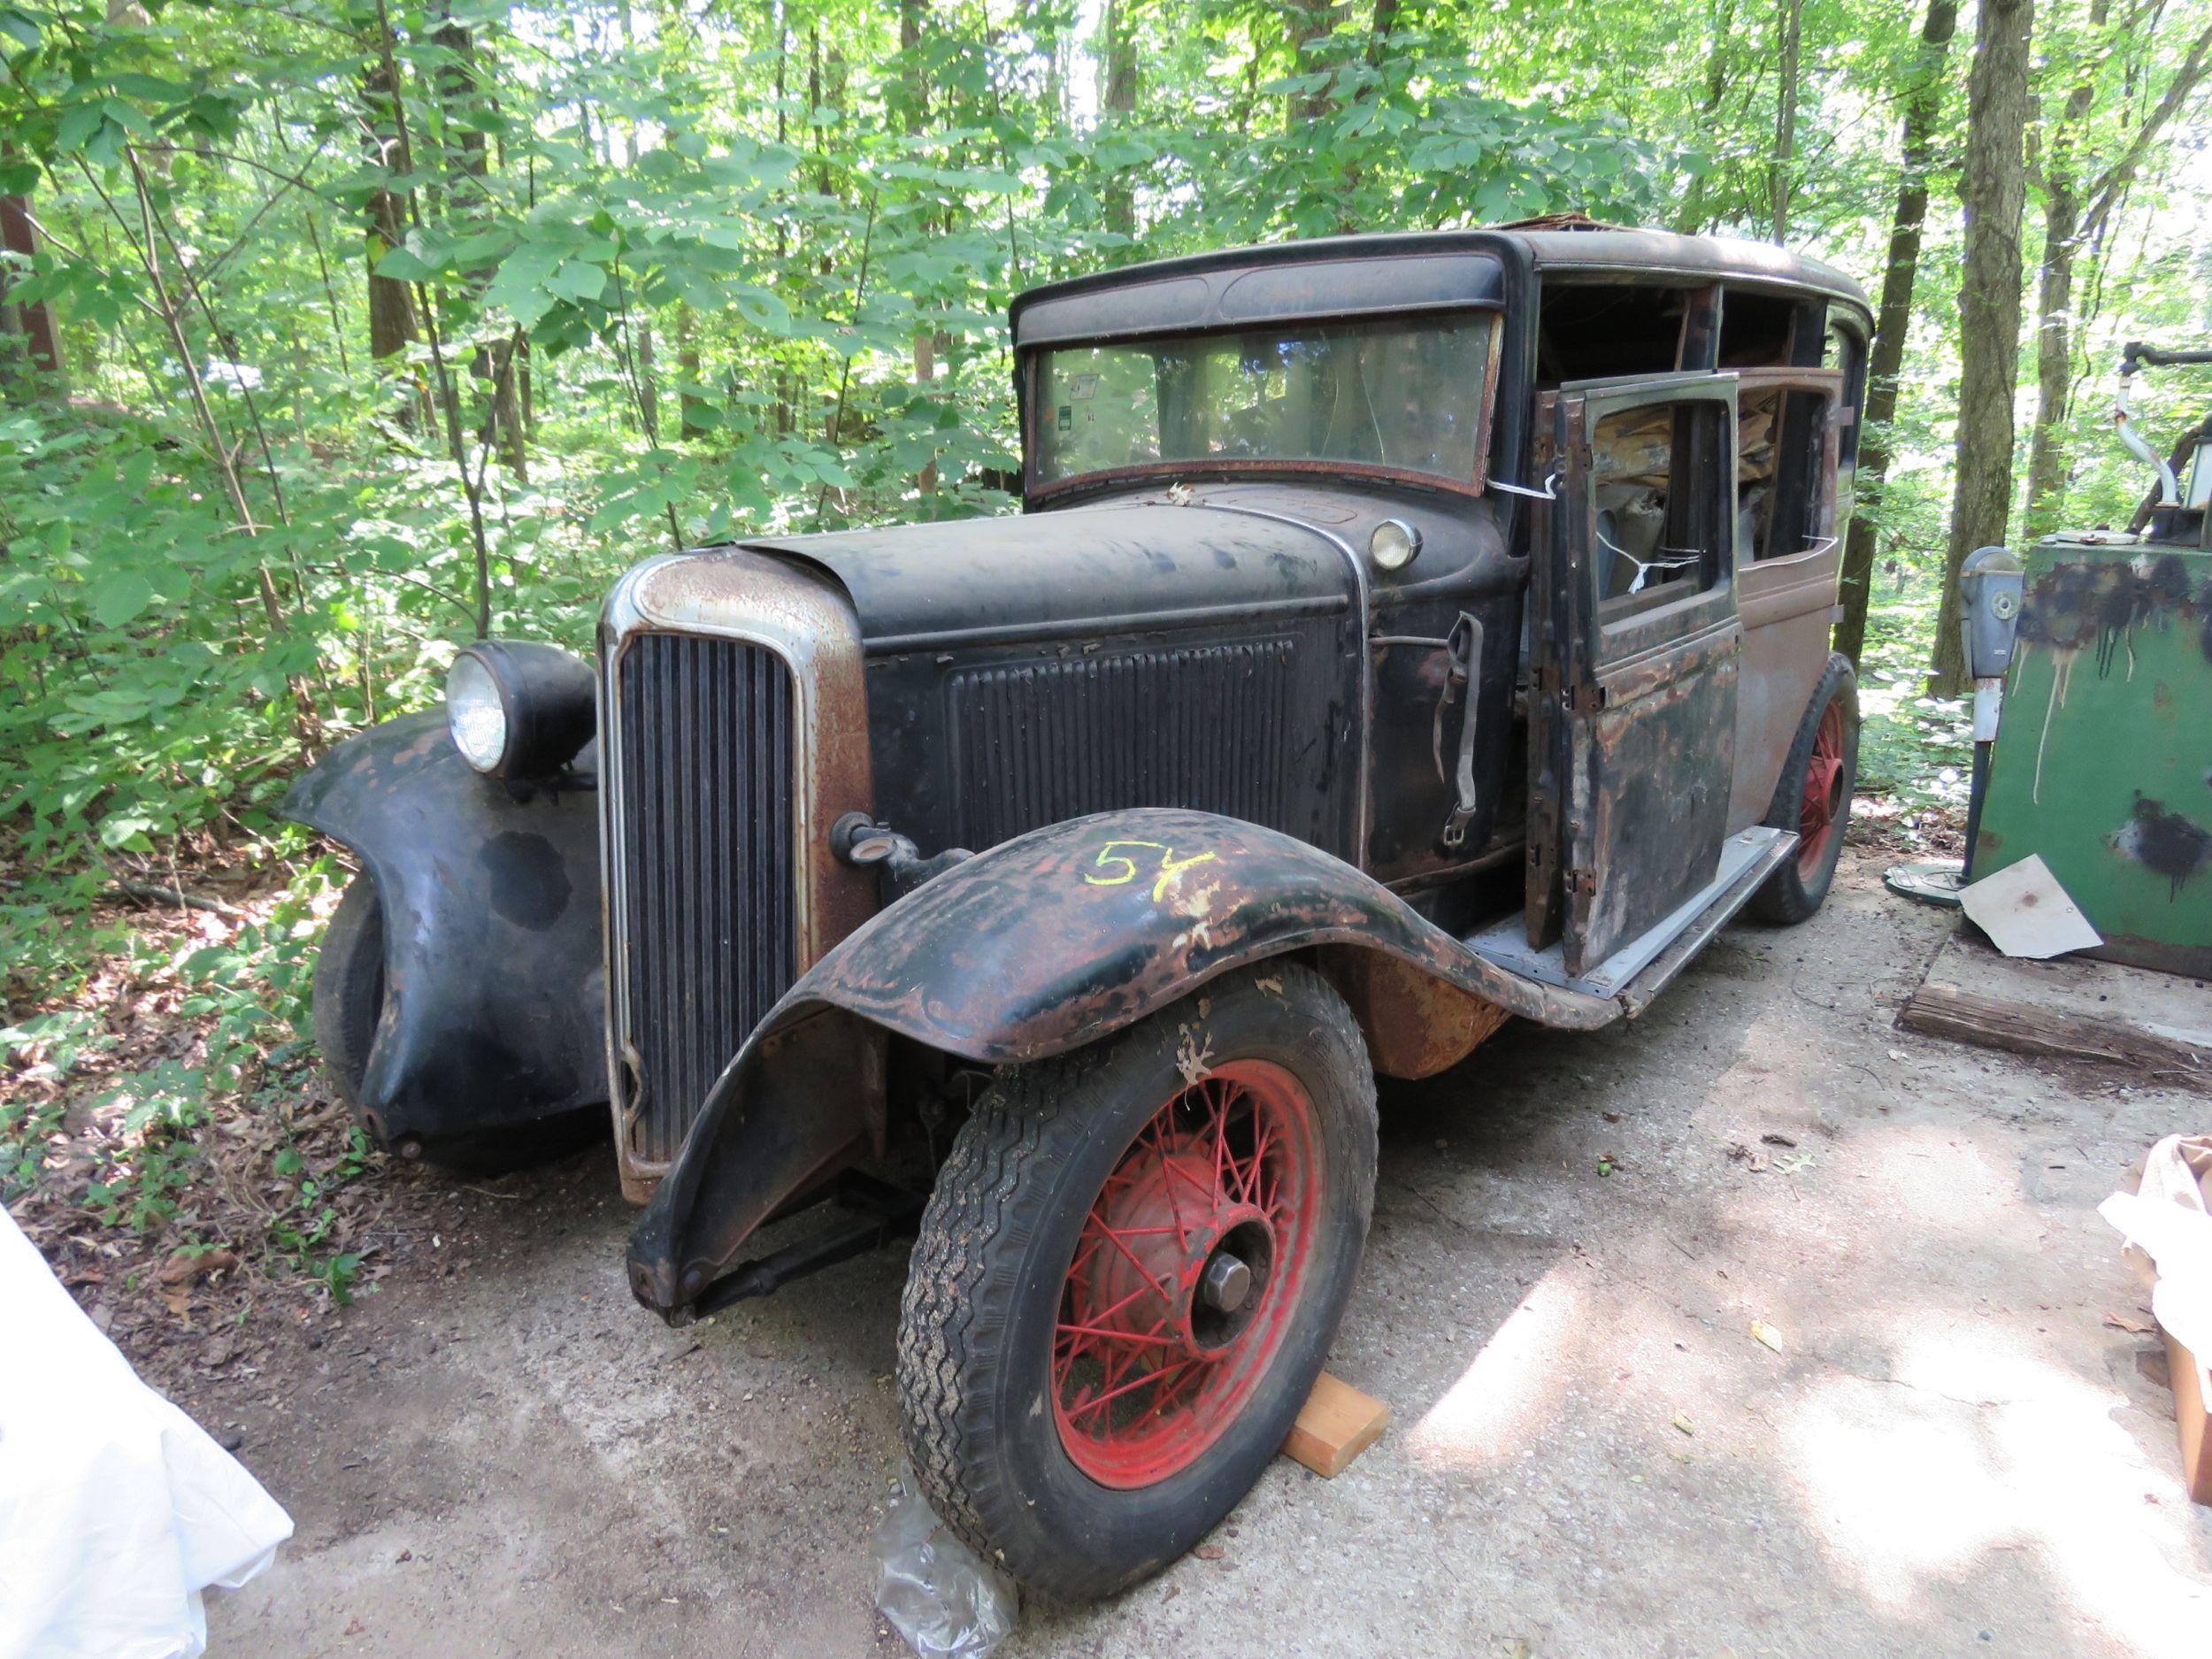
(2074, 1007)
(2191, 1413)
(1336, 1424)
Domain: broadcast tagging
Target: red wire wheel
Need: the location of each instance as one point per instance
(1826, 803)
(1185, 1273)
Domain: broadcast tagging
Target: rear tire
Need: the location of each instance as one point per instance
(349, 996)
(1813, 797)
(1078, 1402)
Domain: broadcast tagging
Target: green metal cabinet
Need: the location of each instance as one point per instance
(2103, 761)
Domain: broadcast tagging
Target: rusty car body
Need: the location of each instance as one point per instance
(1434, 624)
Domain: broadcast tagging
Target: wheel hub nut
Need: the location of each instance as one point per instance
(1225, 1283)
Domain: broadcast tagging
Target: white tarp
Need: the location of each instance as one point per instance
(116, 1509)
(2167, 1219)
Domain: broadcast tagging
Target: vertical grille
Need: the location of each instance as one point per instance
(1205, 726)
(706, 930)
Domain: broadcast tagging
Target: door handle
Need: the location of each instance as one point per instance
(1463, 652)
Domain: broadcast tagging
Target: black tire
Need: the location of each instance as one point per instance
(1797, 889)
(348, 998)
(980, 1395)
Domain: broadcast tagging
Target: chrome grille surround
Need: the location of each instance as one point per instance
(804, 622)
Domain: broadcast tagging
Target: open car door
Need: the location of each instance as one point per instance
(1632, 726)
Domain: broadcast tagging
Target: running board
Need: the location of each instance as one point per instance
(1640, 969)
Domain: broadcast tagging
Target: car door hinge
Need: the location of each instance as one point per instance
(1585, 699)
(1581, 882)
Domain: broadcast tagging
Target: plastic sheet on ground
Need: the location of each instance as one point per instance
(936, 1592)
(2168, 1218)
(116, 1509)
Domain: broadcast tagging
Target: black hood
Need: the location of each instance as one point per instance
(1092, 571)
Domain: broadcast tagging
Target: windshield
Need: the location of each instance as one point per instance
(1404, 395)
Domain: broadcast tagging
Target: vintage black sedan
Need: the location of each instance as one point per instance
(1401, 633)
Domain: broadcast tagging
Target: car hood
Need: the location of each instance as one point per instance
(1080, 571)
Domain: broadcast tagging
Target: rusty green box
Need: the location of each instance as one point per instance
(2103, 762)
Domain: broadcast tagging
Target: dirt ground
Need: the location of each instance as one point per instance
(1964, 1444)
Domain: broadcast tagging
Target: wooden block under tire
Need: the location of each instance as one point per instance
(1336, 1424)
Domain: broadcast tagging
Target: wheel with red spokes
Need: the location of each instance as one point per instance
(1813, 797)
(1128, 1276)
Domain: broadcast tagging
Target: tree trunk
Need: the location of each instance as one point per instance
(31, 358)
(1993, 190)
(2069, 225)
(1118, 102)
(1694, 215)
(912, 91)
(1923, 105)
(1790, 20)
(1310, 20)
(2054, 334)
(392, 323)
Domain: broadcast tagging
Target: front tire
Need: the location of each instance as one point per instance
(1129, 1275)
(349, 996)
(1813, 797)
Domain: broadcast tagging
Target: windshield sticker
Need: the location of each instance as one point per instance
(1067, 417)
(1083, 388)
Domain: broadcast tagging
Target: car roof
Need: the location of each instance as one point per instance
(1562, 244)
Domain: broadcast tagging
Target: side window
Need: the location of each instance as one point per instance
(1780, 436)
(1663, 527)
(1844, 349)
(1589, 331)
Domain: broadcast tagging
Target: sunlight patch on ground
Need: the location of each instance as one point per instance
(1979, 1444)
(1945, 1185)
(1504, 1401)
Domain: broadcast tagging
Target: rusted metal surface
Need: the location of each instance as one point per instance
(1145, 653)
(811, 1107)
(1035, 947)
(475, 876)
(1415, 1025)
(1120, 304)
(1072, 932)
(1641, 730)
(807, 620)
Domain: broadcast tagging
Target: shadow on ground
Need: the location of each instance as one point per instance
(1951, 1450)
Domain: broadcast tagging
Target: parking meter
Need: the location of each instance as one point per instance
(1993, 584)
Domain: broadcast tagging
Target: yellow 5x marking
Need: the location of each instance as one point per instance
(1168, 866)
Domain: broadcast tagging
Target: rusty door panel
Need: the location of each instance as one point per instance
(1787, 605)
(1648, 793)
(1638, 693)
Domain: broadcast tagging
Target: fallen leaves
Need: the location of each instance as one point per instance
(190, 1267)
(1767, 1335)
(2133, 1327)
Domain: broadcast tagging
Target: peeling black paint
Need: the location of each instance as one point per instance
(2077, 606)
(2164, 843)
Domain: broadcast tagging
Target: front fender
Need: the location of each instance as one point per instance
(494, 983)
(1044, 943)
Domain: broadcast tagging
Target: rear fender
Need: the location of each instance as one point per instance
(494, 983)
(1046, 943)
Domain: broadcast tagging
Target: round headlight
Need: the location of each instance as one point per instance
(519, 709)
(1393, 544)
(476, 712)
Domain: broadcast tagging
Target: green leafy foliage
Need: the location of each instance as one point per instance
(381, 326)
